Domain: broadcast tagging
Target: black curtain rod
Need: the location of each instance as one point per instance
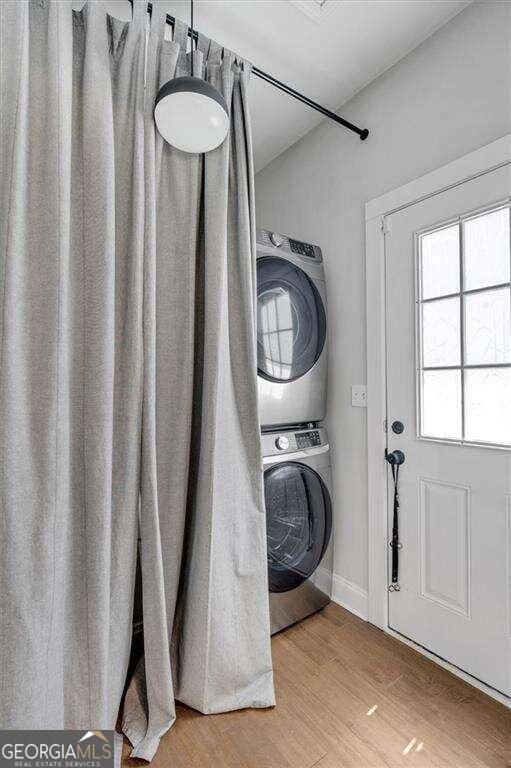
(362, 132)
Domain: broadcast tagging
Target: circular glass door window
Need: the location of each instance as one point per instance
(291, 320)
(298, 523)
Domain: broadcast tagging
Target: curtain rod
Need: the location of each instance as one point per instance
(362, 132)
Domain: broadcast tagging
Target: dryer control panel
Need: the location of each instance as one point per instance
(277, 242)
(304, 249)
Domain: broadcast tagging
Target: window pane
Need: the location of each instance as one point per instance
(488, 405)
(488, 327)
(440, 262)
(441, 404)
(441, 332)
(486, 249)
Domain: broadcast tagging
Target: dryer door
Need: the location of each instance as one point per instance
(298, 523)
(291, 320)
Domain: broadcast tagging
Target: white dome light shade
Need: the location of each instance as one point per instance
(191, 115)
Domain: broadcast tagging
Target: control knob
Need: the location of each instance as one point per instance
(282, 443)
(276, 239)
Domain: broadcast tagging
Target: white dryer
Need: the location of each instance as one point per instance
(291, 331)
(297, 490)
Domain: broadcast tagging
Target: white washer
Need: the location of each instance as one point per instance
(291, 331)
(297, 489)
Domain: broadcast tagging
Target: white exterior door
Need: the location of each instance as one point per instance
(448, 315)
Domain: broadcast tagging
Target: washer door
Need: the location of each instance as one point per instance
(298, 523)
(291, 320)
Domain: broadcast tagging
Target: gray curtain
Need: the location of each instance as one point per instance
(128, 398)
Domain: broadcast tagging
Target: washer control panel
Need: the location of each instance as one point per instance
(307, 439)
(287, 442)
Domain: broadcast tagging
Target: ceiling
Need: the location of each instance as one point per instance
(327, 49)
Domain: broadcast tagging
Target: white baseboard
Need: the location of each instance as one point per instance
(344, 592)
(350, 596)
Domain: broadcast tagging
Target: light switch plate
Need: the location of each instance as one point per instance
(359, 395)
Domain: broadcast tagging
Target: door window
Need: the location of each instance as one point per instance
(464, 329)
(298, 523)
(291, 321)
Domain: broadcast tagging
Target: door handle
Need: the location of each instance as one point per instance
(395, 458)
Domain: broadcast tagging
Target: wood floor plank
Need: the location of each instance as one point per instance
(348, 696)
(468, 721)
(389, 728)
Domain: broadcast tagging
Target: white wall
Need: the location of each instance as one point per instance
(446, 98)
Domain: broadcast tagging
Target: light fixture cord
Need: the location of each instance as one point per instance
(191, 24)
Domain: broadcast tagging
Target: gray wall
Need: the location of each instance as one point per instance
(446, 98)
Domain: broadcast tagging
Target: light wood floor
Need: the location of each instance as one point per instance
(348, 696)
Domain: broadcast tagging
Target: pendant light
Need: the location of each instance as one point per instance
(190, 114)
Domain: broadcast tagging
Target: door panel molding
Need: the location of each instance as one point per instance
(453, 595)
(470, 166)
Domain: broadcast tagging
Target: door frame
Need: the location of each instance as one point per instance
(483, 160)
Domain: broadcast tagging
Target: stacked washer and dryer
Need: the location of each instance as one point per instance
(292, 371)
